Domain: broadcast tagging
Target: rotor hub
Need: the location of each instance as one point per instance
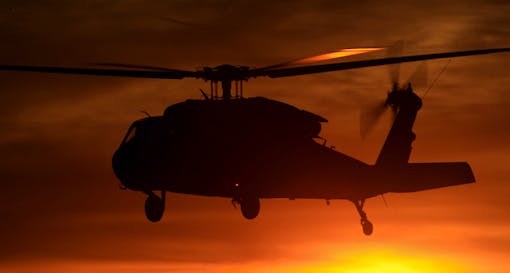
(226, 74)
(403, 97)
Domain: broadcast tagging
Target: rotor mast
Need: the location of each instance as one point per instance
(225, 74)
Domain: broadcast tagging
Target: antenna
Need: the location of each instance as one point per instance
(147, 113)
(437, 77)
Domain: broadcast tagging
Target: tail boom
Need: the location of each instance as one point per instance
(425, 176)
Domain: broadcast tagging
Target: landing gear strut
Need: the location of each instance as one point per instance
(154, 206)
(367, 226)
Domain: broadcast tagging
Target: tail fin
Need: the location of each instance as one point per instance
(396, 150)
(397, 147)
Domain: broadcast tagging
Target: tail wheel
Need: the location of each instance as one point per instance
(154, 207)
(250, 207)
(367, 226)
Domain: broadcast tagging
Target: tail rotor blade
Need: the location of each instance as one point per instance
(394, 69)
(419, 78)
(369, 118)
(394, 72)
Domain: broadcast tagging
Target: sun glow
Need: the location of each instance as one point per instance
(350, 260)
(336, 54)
(392, 262)
(382, 261)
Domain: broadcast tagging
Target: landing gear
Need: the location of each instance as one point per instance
(250, 206)
(154, 206)
(367, 226)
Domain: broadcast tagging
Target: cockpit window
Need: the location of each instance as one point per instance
(130, 134)
(149, 130)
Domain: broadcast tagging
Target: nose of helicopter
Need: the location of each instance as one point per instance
(135, 170)
(117, 164)
(122, 167)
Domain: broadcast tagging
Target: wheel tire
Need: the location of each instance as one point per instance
(367, 226)
(154, 208)
(250, 207)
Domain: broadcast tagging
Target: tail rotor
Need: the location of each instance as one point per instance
(370, 115)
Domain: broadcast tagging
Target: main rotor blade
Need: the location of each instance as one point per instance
(137, 66)
(303, 70)
(102, 72)
(323, 57)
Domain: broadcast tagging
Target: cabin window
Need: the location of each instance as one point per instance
(130, 134)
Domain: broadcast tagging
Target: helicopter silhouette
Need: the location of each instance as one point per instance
(248, 149)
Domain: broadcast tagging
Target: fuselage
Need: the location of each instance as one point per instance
(267, 148)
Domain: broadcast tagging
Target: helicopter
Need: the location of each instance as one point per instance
(252, 148)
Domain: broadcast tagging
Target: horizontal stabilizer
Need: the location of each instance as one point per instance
(425, 176)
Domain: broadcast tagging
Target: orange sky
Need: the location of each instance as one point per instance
(61, 207)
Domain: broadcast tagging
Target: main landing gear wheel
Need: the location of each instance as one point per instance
(154, 206)
(367, 226)
(250, 207)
